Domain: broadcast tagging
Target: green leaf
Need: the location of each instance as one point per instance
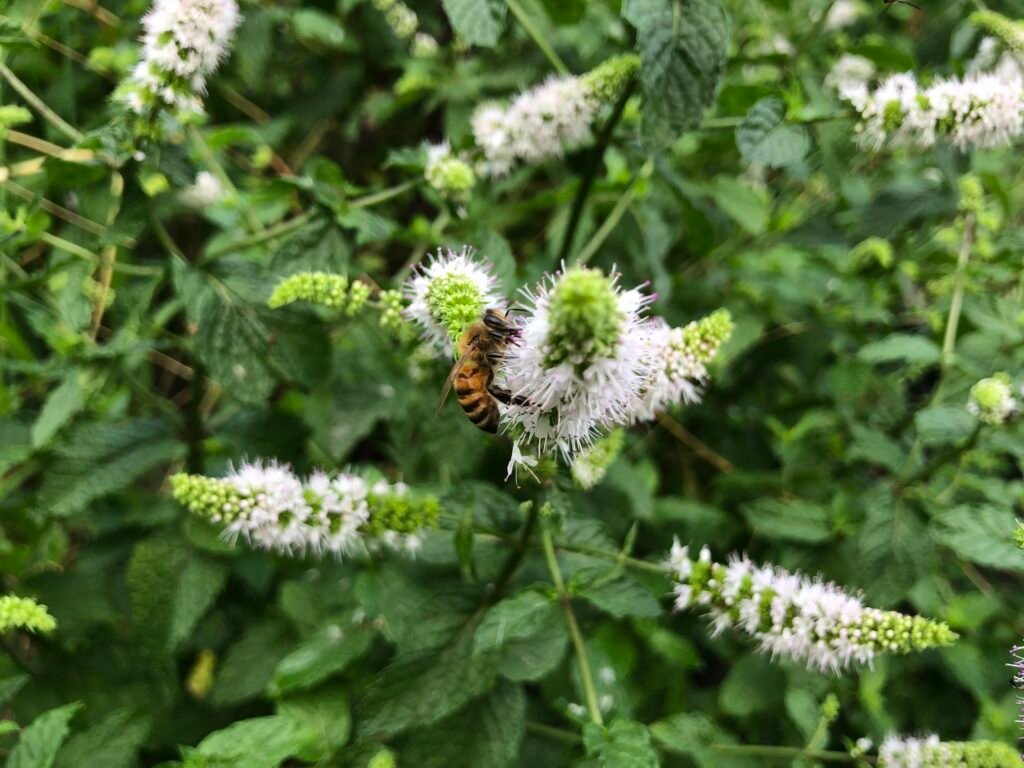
(249, 664)
(60, 407)
(233, 343)
(944, 424)
(692, 734)
(329, 651)
(745, 205)
(484, 734)
(875, 447)
(789, 520)
(39, 742)
(327, 714)
(683, 48)
(320, 246)
(753, 684)
(529, 633)
(9, 687)
(980, 533)
(478, 22)
(415, 692)
(112, 742)
(765, 138)
(315, 26)
(262, 742)
(198, 586)
(98, 459)
(624, 744)
(621, 597)
(901, 347)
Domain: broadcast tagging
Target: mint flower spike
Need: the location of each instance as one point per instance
(448, 293)
(451, 175)
(579, 363)
(929, 752)
(269, 507)
(183, 43)
(792, 616)
(24, 613)
(677, 360)
(992, 400)
(550, 118)
(592, 464)
(322, 288)
(1010, 32)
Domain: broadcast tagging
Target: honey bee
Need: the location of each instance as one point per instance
(482, 346)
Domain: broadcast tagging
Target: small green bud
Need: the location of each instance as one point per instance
(992, 400)
(605, 82)
(1010, 32)
(455, 301)
(972, 194)
(358, 294)
(316, 287)
(892, 115)
(703, 338)
(24, 613)
(874, 249)
(584, 318)
(12, 115)
(391, 305)
(424, 46)
(591, 465)
(402, 20)
(385, 758)
(450, 175)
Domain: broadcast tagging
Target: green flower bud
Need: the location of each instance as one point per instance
(316, 287)
(450, 175)
(929, 752)
(991, 399)
(874, 249)
(358, 294)
(24, 613)
(705, 337)
(584, 316)
(391, 305)
(605, 82)
(591, 465)
(972, 194)
(1010, 32)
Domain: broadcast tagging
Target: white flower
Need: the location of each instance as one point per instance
(539, 124)
(519, 459)
(929, 752)
(447, 294)
(794, 617)
(183, 42)
(674, 372)
(992, 400)
(206, 191)
(579, 363)
(849, 77)
(842, 14)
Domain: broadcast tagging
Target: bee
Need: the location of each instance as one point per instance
(482, 345)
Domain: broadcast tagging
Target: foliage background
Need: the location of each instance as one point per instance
(833, 439)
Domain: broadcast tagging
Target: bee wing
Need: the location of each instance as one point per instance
(450, 381)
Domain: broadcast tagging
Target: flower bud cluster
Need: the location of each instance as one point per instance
(929, 752)
(591, 465)
(449, 174)
(992, 400)
(24, 613)
(323, 288)
(550, 118)
(805, 620)
(183, 43)
(271, 508)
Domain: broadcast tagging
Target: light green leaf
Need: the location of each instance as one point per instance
(765, 138)
(262, 742)
(745, 205)
(249, 664)
(944, 424)
(624, 744)
(329, 651)
(789, 520)
(60, 407)
(39, 742)
(683, 48)
(901, 347)
(233, 343)
(198, 586)
(327, 714)
(529, 633)
(112, 742)
(621, 597)
(981, 534)
(316, 26)
(692, 734)
(478, 22)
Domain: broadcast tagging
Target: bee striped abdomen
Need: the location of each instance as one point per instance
(476, 401)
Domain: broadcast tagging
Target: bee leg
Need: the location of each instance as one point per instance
(504, 396)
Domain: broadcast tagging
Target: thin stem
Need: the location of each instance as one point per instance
(531, 29)
(694, 443)
(258, 238)
(609, 224)
(515, 558)
(574, 628)
(956, 306)
(587, 181)
(49, 148)
(108, 255)
(36, 103)
(57, 210)
(384, 195)
(84, 253)
(550, 732)
(765, 750)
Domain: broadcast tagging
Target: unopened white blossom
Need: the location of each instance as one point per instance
(579, 364)
(204, 192)
(842, 14)
(448, 293)
(984, 111)
(448, 173)
(930, 752)
(805, 620)
(183, 42)
(269, 507)
(849, 77)
(992, 400)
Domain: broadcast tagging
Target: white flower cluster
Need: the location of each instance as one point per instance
(992, 400)
(805, 620)
(842, 14)
(540, 123)
(183, 43)
(205, 192)
(930, 752)
(849, 77)
(674, 375)
(266, 505)
(982, 111)
(446, 294)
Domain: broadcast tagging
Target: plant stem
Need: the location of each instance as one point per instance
(531, 29)
(258, 238)
(956, 305)
(517, 554)
(49, 148)
(384, 195)
(574, 628)
(621, 206)
(36, 103)
(550, 732)
(587, 181)
(108, 255)
(765, 750)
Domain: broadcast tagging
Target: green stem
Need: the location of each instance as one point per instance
(39, 105)
(384, 195)
(574, 629)
(258, 238)
(956, 305)
(609, 224)
(587, 182)
(531, 29)
(759, 750)
(940, 460)
(516, 556)
(550, 732)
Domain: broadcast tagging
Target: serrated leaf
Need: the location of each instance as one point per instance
(875, 447)
(944, 424)
(249, 664)
(683, 48)
(528, 632)
(789, 520)
(329, 651)
(327, 714)
(478, 22)
(621, 597)
(901, 347)
(198, 586)
(748, 207)
(98, 459)
(319, 246)
(42, 738)
(693, 734)
(416, 692)
(765, 138)
(624, 744)
(262, 742)
(60, 407)
(233, 344)
(112, 742)
(981, 534)
(485, 734)
(753, 684)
